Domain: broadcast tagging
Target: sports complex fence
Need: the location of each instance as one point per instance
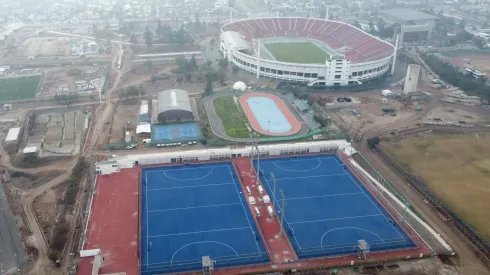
(470, 233)
(395, 210)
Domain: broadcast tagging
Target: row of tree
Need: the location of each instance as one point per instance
(456, 77)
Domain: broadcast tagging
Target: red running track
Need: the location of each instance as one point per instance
(295, 124)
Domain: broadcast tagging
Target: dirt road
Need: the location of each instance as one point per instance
(42, 266)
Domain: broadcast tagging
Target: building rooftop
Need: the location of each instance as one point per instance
(303, 107)
(13, 134)
(406, 14)
(113, 224)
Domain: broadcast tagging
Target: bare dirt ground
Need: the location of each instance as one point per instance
(43, 46)
(429, 266)
(21, 180)
(47, 208)
(480, 62)
(124, 119)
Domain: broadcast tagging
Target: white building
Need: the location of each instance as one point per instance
(411, 79)
(354, 55)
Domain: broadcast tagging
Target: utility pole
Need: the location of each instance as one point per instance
(274, 191)
(283, 210)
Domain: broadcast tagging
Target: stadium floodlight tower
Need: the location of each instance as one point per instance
(231, 5)
(207, 265)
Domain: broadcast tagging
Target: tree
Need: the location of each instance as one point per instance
(133, 91)
(371, 26)
(180, 78)
(223, 63)
(373, 142)
(221, 76)
(149, 63)
(480, 42)
(181, 61)
(208, 88)
(235, 69)
(188, 76)
(148, 36)
(132, 39)
(192, 64)
(356, 24)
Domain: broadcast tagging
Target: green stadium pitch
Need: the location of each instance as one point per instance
(297, 52)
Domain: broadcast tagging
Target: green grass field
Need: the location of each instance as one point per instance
(456, 168)
(232, 116)
(297, 52)
(18, 88)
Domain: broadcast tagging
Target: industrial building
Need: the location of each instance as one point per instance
(172, 120)
(415, 25)
(174, 106)
(144, 116)
(12, 139)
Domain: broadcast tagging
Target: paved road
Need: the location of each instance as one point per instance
(12, 253)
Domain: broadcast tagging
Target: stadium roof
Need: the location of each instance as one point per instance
(234, 40)
(406, 14)
(173, 99)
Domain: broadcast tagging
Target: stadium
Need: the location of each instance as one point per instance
(317, 52)
(245, 210)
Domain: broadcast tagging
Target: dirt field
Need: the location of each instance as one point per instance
(454, 115)
(43, 46)
(47, 207)
(371, 114)
(476, 61)
(125, 112)
(456, 167)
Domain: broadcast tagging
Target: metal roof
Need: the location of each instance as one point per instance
(406, 14)
(13, 134)
(173, 99)
(32, 149)
(301, 105)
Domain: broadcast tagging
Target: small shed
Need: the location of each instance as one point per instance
(301, 105)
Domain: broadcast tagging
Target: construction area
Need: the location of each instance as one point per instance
(55, 134)
(82, 80)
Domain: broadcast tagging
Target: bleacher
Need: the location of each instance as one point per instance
(360, 46)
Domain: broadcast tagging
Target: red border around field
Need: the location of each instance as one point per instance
(296, 126)
(113, 224)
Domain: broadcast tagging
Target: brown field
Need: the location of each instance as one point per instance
(456, 167)
(480, 62)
